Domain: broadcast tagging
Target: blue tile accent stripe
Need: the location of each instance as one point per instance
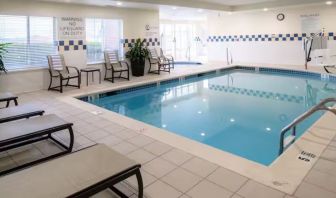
(175, 80)
(290, 72)
(264, 37)
(70, 45)
(257, 93)
(148, 42)
(249, 92)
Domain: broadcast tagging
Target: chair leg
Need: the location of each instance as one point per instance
(128, 75)
(7, 103)
(16, 102)
(61, 84)
(50, 83)
(140, 184)
(79, 81)
(112, 76)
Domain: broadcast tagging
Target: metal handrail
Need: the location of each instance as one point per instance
(319, 107)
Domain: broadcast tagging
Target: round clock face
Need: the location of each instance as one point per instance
(280, 17)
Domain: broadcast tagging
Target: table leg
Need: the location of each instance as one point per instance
(87, 78)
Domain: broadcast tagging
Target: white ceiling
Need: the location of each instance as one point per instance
(237, 2)
(224, 5)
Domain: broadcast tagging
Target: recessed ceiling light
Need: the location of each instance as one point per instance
(200, 10)
(232, 120)
(119, 3)
(175, 106)
(329, 2)
(268, 129)
(199, 112)
(164, 126)
(174, 8)
(202, 134)
(265, 9)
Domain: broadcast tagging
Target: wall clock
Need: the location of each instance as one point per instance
(281, 17)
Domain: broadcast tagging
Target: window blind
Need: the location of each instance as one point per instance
(31, 38)
(101, 35)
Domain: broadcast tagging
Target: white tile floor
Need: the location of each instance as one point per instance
(167, 172)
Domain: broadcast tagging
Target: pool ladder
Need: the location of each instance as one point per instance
(287, 141)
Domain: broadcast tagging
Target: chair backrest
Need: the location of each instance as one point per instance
(56, 62)
(161, 52)
(111, 57)
(153, 54)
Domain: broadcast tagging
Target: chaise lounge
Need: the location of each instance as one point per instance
(8, 97)
(24, 132)
(19, 112)
(80, 174)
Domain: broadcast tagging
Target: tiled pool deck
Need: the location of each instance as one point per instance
(167, 172)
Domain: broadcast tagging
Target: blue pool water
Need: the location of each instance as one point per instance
(239, 111)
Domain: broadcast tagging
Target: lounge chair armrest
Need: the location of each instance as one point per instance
(73, 68)
(125, 63)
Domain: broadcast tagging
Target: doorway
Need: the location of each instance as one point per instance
(184, 41)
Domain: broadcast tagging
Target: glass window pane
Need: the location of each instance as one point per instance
(101, 35)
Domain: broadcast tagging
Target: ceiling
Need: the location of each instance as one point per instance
(224, 5)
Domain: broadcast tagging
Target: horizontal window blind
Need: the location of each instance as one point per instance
(101, 35)
(31, 38)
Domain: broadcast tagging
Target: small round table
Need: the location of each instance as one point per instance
(91, 70)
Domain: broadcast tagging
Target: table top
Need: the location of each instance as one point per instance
(90, 69)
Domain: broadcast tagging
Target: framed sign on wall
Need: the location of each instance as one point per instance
(71, 28)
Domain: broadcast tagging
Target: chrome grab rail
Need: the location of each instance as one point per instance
(319, 107)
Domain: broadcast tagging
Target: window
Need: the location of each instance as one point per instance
(31, 38)
(101, 35)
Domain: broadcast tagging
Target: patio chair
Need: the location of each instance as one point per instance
(58, 69)
(168, 57)
(19, 112)
(8, 97)
(80, 174)
(162, 64)
(24, 132)
(113, 64)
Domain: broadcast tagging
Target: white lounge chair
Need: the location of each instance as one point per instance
(80, 174)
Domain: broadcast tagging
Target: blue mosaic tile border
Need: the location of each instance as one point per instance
(258, 93)
(206, 74)
(191, 77)
(289, 72)
(70, 45)
(148, 42)
(245, 68)
(264, 37)
(165, 82)
(262, 94)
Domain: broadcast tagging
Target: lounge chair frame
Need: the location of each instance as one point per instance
(9, 99)
(327, 67)
(57, 73)
(113, 64)
(22, 140)
(162, 63)
(109, 182)
(21, 116)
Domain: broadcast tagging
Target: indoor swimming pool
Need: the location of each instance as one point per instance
(240, 110)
